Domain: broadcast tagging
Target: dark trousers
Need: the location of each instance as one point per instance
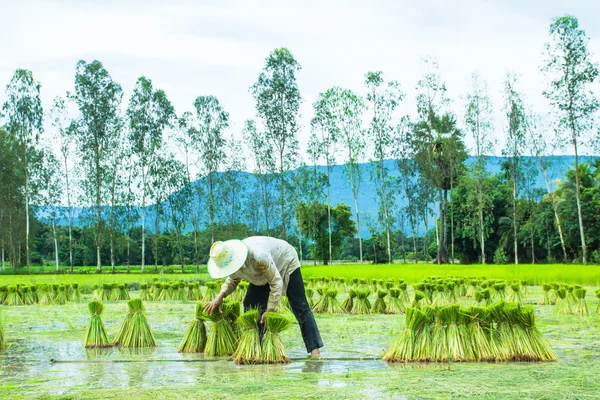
(258, 297)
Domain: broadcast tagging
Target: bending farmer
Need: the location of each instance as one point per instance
(271, 266)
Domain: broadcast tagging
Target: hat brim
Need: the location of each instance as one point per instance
(240, 253)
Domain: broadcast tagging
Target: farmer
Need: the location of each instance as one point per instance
(272, 268)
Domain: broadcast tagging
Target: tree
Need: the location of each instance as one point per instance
(212, 121)
(234, 182)
(478, 120)
(24, 114)
(98, 98)
(515, 146)
(313, 221)
(278, 102)
(175, 180)
(384, 102)
(570, 73)
(149, 113)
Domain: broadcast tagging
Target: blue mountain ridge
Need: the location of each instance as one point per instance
(341, 193)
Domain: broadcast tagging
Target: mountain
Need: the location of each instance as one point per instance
(341, 193)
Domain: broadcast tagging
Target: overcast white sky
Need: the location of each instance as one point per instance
(192, 48)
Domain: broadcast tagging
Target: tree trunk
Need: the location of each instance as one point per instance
(554, 209)
(70, 215)
(156, 237)
(211, 207)
(27, 212)
(329, 210)
(143, 220)
(482, 235)
(514, 211)
(55, 244)
(283, 233)
(578, 197)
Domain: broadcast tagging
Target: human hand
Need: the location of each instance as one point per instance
(263, 319)
(216, 304)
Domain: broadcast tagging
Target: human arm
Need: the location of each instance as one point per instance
(227, 288)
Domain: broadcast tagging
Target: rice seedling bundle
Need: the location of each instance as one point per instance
(545, 297)
(181, 293)
(349, 301)
(119, 292)
(155, 289)
(562, 304)
(272, 351)
(472, 288)
(137, 332)
(95, 292)
(2, 344)
(165, 292)
(373, 285)
(379, 307)
(309, 297)
(194, 340)
(193, 292)
(248, 349)
(13, 298)
(221, 339)
(395, 305)
(26, 295)
(3, 293)
(362, 305)
(499, 291)
(570, 296)
(322, 304)
(581, 307)
(404, 297)
(515, 293)
(210, 293)
(34, 293)
(75, 293)
(106, 292)
(96, 336)
(333, 305)
(555, 286)
(45, 295)
(61, 295)
(171, 289)
(501, 332)
(144, 292)
(355, 283)
(418, 300)
(598, 296)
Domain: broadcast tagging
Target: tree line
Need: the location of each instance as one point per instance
(128, 166)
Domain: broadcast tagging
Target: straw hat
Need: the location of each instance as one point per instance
(226, 258)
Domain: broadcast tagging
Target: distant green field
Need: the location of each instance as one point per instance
(534, 273)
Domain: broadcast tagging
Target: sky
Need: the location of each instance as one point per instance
(194, 48)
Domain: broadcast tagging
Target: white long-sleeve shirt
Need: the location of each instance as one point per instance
(270, 261)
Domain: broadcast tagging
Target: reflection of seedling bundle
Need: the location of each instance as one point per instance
(562, 304)
(273, 351)
(210, 293)
(194, 340)
(349, 302)
(379, 307)
(248, 350)
(502, 332)
(580, 305)
(221, 338)
(96, 336)
(545, 298)
(395, 305)
(135, 330)
(362, 305)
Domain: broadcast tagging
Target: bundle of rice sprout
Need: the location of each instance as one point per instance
(562, 304)
(515, 293)
(248, 349)
(221, 338)
(322, 304)
(95, 292)
(404, 297)
(272, 351)
(581, 307)
(193, 291)
(333, 306)
(135, 330)
(418, 301)
(476, 336)
(26, 295)
(538, 344)
(144, 293)
(349, 302)
(379, 307)
(395, 305)
(106, 292)
(235, 311)
(163, 291)
(499, 291)
(545, 298)
(61, 296)
(598, 296)
(555, 286)
(284, 304)
(210, 293)
(45, 295)
(155, 289)
(309, 297)
(355, 283)
(362, 305)
(2, 344)
(404, 347)
(3, 293)
(13, 298)
(181, 293)
(570, 296)
(194, 340)
(75, 293)
(473, 285)
(123, 292)
(96, 336)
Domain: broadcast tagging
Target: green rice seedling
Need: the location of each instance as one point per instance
(418, 300)
(349, 301)
(236, 310)
(272, 351)
(395, 305)
(181, 293)
(210, 293)
(144, 292)
(322, 303)
(284, 305)
(355, 283)
(2, 344)
(156, 289)
(194, 340)
(309, 296)
(45, 295)
(248, 349)
(137, 332)
(562, 304)
(95, 292)
(13, 298)
(545, 297)
(119, 292)
(379, 307)
(598, 297)
(3, 293)
(26, 295)
(362, 305)
(404, 297)
(95, 335)
(538, 344)
(61, 296)
(454, 343)
(221, 339)
(500, 332)
(54, 287)
(403, 347)
(581, 307)
(476, 336)
(373, 285)
(75, 293)
(333, 305)
(499, 291)
(570, 296)
(515, 293)
(163, 291)
(34, 293)
(106, 292)
(472, 287)
(123, 330)
(555, 286)
(193, 292)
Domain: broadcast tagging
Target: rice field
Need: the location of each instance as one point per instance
(359, 319)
